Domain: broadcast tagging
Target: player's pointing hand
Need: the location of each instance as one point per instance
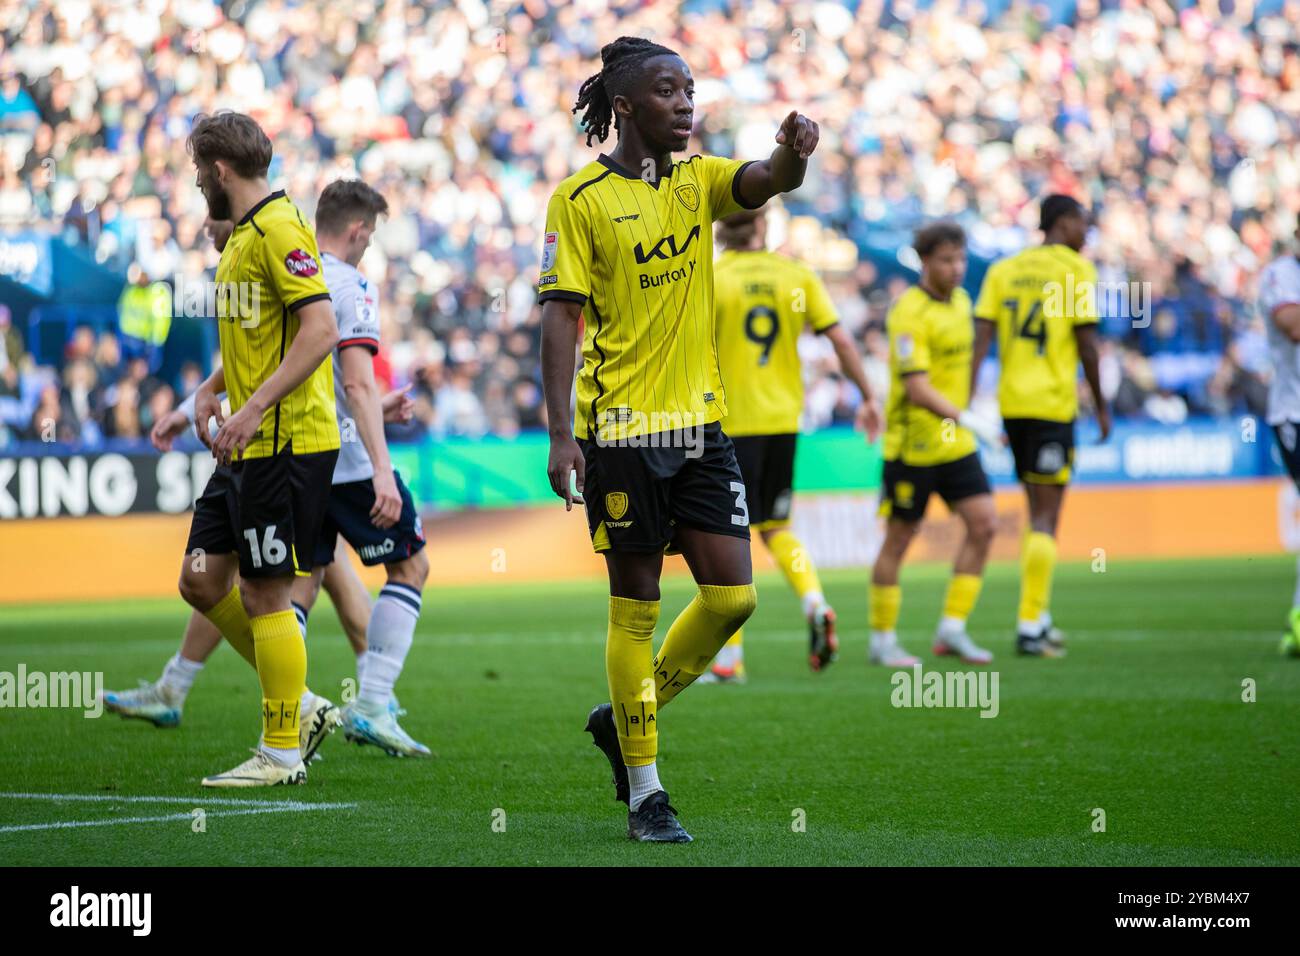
(566, 458)
(799, 133)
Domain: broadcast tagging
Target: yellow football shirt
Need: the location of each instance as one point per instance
(762, 302)
(1036, 298)
(269, 269)
(927, 335)
(638, 254)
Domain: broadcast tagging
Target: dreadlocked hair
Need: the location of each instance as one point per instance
(619, 62)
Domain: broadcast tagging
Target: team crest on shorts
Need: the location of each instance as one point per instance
(903, 494)
(616, 504)
(690, 196)
(1051, 458)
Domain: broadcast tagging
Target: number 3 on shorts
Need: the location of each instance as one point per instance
(742, 518)
(272, 550)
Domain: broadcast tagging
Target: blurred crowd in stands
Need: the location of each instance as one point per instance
(1176, 121)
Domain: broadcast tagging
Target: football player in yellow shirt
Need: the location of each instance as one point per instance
(628, 248)
(261, 512)
(930, 447)
(763, 302)
(1042, 304)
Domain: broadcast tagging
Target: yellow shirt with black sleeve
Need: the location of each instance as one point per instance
(1036, 298)
(270, 269)
(936, 337)
(763, 301)
(638, 255)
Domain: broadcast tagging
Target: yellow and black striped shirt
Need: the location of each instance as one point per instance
(1036, 298)
(936, 337)
(638, 254)
(269, 269)
(764, 301)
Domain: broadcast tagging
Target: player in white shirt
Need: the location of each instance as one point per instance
(1279, 304)
(369, 504)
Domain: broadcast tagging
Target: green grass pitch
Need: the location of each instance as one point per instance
(1144, 719)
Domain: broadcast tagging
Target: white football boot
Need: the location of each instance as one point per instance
(260, 770)
(886, 651)
(960, 645)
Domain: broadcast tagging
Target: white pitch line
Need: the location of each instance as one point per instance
(172, 817)
(245, 808)
(191, 801)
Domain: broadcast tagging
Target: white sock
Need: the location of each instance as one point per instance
(388, 637)
(284, 757)
(305, 702)
(361, 667)
(951, 626)
(813, 602)
(300, 613)
(885, 638)
(1029, 628)
(177, 678)
(643, 781)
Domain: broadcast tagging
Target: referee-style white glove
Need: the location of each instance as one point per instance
(987, 430)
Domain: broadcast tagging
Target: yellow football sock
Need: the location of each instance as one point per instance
(885, 601)
(230, 618)
(735, 639)
(628, 666)
(795, 562)
(699, 632)
(1037, 560)
(282, 669)
(963, 592)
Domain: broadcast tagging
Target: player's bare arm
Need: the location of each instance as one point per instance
(869, 419)
(1287, 318)
(985, 329)
(785, 168)
(1085, 337)
(922, 394)
(363, 399)
(560, 319)
(317, 335)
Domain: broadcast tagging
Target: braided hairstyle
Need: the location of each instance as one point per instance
(619, 62)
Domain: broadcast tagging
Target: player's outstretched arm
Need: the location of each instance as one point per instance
(358, 370)
(785, 169)
(851, 366)
(1085, 337)
(924, 395)
(560, 319)
(318, 333)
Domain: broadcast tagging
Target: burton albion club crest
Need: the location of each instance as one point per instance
(689, 196)
(616, 504)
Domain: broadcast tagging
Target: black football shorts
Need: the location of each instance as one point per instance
(907, 488)
(767, 466)
(348, 514)
(1043, 450)
(639, 491)
(267, 510)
